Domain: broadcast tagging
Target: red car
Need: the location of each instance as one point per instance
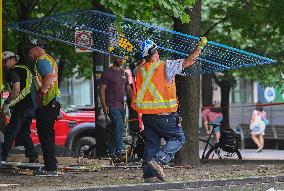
(74, 130)
(64, 125)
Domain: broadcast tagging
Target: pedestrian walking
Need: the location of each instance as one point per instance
(48, 93)
(112, 89)
(212, 114)
(257, 126)
(156, 100)
(21, 102)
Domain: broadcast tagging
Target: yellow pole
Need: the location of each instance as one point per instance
(1, 76)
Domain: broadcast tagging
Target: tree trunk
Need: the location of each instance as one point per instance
(207, 90)
(188, 91)
(225, 102)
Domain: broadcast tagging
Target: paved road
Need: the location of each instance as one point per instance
(266, 154)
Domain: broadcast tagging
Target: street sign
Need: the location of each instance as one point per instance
(269, 94)
(84, 41)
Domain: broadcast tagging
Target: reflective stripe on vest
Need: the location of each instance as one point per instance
(153, 105)
(27, 88)
(159, 101)
(147, 83)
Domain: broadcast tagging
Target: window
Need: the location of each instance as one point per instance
(243, 91)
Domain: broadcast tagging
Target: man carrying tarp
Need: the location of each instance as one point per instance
(156, 100)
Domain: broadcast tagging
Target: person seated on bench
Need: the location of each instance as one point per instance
(257, 126)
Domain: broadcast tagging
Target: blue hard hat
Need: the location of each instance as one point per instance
(147, 48)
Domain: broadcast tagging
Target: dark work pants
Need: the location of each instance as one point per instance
(19, 125)
(45, 119)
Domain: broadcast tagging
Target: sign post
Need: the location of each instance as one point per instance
(84, 38)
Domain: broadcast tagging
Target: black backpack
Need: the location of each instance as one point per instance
(229, 140)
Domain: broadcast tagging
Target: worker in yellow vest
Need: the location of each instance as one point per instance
(46, 75)
(21, 104)
(156, 100)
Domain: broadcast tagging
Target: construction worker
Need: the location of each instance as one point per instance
(112, 89)
(46, 72)
(156, 100)
(22, 106)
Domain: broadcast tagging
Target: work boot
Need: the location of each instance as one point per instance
(120, 157)
(33, 160)
(150, 178)
(157, 170)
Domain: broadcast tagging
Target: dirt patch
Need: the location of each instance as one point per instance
(114, 176)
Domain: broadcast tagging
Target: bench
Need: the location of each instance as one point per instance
(273, 138)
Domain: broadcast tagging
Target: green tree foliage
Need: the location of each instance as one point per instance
(17, 10)
(147, 9)
(253, 25)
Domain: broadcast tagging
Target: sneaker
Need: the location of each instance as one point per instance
(42, 172)
(260, 149)
(157, 170)
(120, 157)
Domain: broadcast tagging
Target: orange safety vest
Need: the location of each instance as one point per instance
(155, 95)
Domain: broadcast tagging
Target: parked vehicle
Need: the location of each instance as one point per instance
(74, 129)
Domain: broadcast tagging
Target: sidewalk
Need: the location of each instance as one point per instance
(266, 154)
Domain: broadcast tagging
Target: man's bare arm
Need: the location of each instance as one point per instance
(192, 58)
(129, 91)
(46, 82)
(14, 92)
(102, 94)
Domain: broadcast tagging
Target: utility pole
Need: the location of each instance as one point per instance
(99, 62)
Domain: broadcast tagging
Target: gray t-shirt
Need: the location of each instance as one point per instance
(115, 80)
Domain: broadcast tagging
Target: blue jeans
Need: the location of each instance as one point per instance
(155, 128)
(115, 144)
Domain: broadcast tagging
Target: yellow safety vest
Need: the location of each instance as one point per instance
(53, 90)
(25, 91)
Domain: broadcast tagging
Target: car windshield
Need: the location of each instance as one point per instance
(73, 108)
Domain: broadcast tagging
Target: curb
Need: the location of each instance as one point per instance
(194, 185)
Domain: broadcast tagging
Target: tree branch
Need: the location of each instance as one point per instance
(223, 19)
(216, 79)
(53, 7)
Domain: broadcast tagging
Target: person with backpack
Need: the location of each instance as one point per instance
(257, 127)
(212, 115)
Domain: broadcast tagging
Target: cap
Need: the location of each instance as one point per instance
(33, 42)
(8, 54)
